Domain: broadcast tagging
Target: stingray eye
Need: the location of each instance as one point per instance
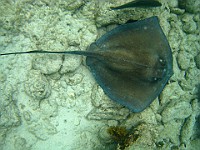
(162, 61)
(155, 79)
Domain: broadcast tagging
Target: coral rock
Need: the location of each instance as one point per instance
(37, 85)
(179, 110)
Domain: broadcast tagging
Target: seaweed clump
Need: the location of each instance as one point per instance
(121, 136)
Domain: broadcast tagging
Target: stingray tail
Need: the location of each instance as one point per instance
(84, 53)
(139, 3)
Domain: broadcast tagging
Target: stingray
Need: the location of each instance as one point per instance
(139, 3)
(132, 63)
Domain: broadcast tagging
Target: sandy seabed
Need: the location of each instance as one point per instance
(50, 102)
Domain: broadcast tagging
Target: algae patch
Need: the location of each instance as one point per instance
(122, 136)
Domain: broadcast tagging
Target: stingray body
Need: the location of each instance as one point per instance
(137, 66)
(132, 63)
